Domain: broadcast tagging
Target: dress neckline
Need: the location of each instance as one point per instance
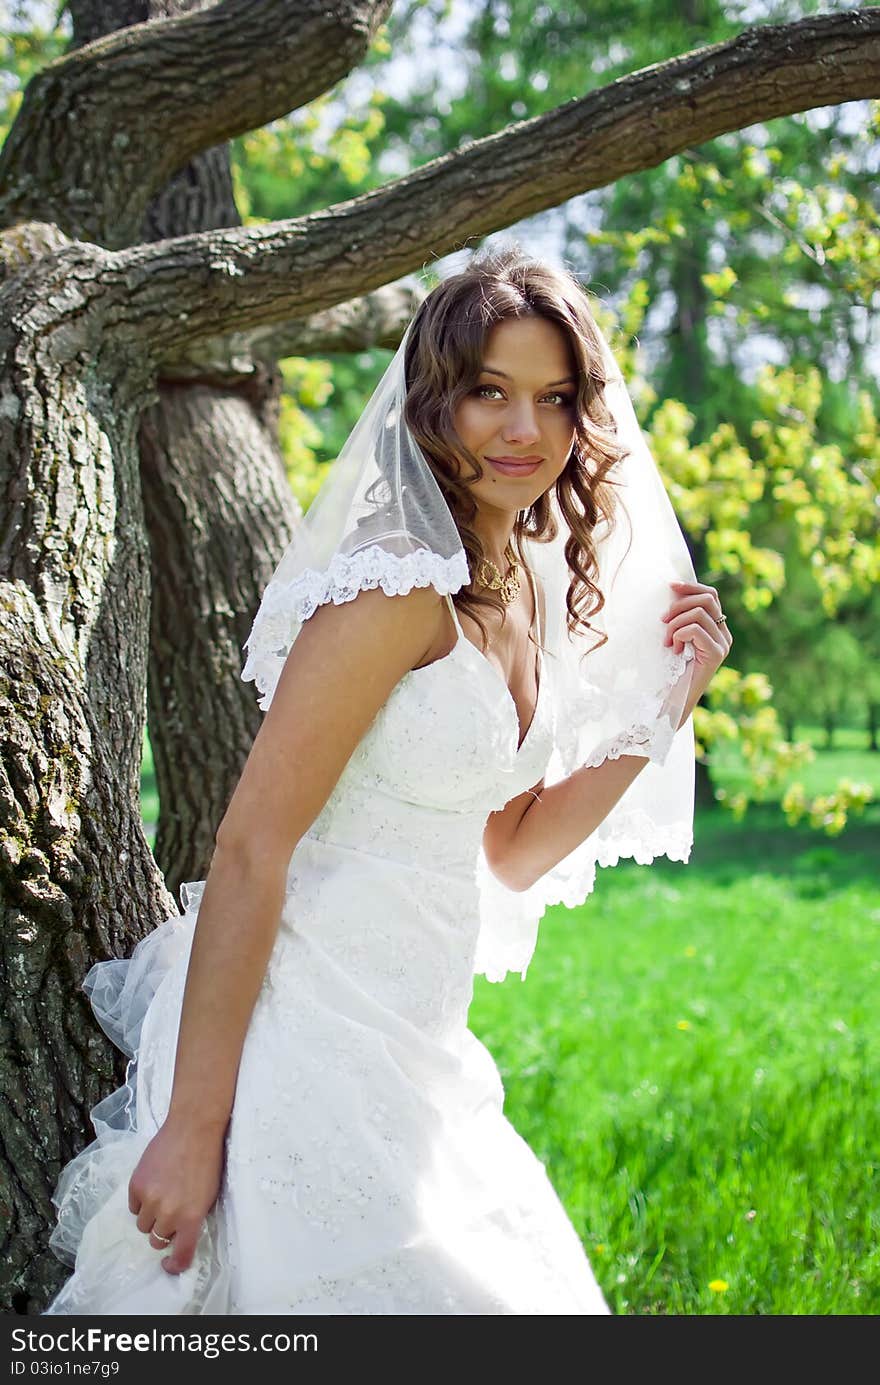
(496, 673)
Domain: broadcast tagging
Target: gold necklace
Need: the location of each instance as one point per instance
(509, 586)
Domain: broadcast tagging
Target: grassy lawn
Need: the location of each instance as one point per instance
(695, 1057)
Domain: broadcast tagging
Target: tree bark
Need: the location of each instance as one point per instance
(131, 108)
(634, 123)
(71, 675)
(77, 880)
(218, 510)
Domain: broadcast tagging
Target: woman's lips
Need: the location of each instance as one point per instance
(514, 468)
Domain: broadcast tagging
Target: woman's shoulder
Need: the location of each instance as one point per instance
(399, 626)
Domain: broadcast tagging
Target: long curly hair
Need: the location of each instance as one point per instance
(442, 364)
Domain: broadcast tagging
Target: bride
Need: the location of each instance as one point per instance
(308, 1124)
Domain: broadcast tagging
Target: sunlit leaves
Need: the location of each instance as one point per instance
(308, 385)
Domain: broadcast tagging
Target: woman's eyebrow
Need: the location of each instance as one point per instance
(490, 370)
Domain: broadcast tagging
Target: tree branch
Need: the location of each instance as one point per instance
(376, 319)
(136, 105)
(242, 278)
(248, 277)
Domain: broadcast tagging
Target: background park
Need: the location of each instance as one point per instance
(694, 1054)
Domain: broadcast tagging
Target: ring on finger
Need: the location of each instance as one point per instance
(166, 1240)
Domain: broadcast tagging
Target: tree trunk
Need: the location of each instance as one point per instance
(219, 511)
(77, 879)
(685, 376)
(172, 483)
(873, 725)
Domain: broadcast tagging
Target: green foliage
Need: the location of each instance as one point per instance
(26, 47)
(756, 508)
(308, 384)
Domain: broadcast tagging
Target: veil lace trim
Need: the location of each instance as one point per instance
(287, 604)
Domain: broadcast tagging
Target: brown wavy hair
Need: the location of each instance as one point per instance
(442, 364)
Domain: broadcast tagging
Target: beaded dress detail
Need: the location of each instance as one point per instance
(369, 1166)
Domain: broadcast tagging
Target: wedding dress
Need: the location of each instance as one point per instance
(369, 1168)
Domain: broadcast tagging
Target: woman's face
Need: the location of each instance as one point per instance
(521, 410)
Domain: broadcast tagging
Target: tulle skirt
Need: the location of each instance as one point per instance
(368, 1168)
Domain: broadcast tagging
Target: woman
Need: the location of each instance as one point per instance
(308, 1125)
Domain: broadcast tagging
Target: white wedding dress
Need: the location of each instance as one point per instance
(369, 1168)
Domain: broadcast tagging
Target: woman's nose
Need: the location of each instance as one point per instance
(521, 425)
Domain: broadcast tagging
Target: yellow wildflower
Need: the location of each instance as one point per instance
(683, 1024)
(718, 1286)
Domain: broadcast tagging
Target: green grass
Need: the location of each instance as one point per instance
(694, 1055)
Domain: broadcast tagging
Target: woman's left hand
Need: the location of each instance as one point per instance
(695, 617)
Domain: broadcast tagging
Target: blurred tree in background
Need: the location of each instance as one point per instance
(747, 268)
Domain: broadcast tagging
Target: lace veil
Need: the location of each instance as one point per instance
(380, 519)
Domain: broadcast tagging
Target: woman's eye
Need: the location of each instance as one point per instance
(564, 399)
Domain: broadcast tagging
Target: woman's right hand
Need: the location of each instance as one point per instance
(175, 1184)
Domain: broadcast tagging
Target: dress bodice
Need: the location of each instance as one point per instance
(389, 885)
(442, 754)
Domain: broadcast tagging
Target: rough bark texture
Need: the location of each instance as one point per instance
(120, 115)
(243, 278)
(208, 89)
(77, 880)
(219, 511)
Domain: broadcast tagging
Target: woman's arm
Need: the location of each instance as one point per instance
(547, 828)
(552, 825)
(340, 672)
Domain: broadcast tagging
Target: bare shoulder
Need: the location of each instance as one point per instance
(396, 629)
(343, 666)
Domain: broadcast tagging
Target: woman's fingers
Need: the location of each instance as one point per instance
(706, 601)
(173, 1189)
(183, 1248)
(695, 617)
(689, 588)
(702, 638)
(179, 1239)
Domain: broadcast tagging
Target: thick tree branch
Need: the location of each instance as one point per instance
(161, 93)
(244, 278)
(376, 319)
